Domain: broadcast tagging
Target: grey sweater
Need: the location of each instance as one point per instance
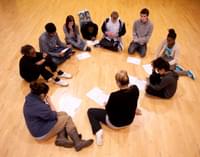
(167, 85)
(49, 44)
(142, 31)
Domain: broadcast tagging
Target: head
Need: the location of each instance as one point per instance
(122, 78)
(144, 13)
(114, 16)
(70, 22)
(39, 88)
(171, 37)
(161, 66)
(28, 50)
(50, 29)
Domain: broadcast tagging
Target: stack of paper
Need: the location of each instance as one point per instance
(141, 84)
(98, 96)
(65, 102)
(134, 60)
(148, 68)
(83, 55)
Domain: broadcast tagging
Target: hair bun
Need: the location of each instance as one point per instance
(171, 30)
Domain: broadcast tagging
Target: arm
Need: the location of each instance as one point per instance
(123, 30)
(175, 55)
(46, 113)
(44, 48)
(160, 48)
(103, 27)
(165, 81)
(146, 38)
(59, 42)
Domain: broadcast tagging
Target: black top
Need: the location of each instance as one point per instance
(89, 34)
(121, 106)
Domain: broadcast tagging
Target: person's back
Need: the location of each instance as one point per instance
(38, 115)
(170, 81)
(122, 105)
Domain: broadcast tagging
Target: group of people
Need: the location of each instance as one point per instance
(40, 114)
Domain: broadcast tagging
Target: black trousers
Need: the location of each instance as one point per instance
(109, 44)
(154, 92)
(46, 74)
(96, 116)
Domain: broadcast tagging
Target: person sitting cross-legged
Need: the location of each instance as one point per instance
(120, 109)
(33, 64)
(44, 122)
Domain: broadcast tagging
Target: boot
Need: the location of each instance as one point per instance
(78, 142)
(62, 140)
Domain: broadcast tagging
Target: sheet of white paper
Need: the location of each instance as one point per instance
(148, 68)
(98, 95)
(83, 55)
(69, 104)
(92, 43)
(65, 102)
(141, 84)
(134, 60)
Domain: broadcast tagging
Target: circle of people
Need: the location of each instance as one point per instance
(41, 117)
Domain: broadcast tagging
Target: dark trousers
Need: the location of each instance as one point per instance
(109, 44)
(154, 92)
(96, 116)
(136, 47)
(46, 74)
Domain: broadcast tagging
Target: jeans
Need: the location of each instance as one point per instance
(141, 49)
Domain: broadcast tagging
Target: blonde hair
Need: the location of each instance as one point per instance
(122, 77)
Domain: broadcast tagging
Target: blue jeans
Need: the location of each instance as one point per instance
(136, 47)
(59, 60)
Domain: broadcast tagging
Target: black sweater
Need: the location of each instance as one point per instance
(121, 106)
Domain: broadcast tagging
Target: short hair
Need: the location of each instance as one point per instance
(122, 77)
(25, 50)
(160, 63)
(39, 88)
(50, 27)
(145, 11)
(115, 14)
(171, 33)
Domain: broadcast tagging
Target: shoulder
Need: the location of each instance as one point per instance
(43, 37)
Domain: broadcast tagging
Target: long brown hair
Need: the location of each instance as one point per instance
(69, 19)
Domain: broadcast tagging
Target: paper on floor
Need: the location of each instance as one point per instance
(65, 102)
(98, 95)
(148, 68)
(83, 55)
(141, 84)
(134, 60)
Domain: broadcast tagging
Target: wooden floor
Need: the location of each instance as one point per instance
(168, 128)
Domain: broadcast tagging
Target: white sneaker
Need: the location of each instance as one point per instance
(62, 83)
(65, 75)
(99, 137)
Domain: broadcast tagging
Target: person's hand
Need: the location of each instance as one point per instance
(44, 55)
(40, 62)
(93, 38)
(69, 45)
(61, 54)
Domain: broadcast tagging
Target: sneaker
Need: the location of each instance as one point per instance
(99, 137)
(191, 74)
(178, 68)
(65, 75)
(61, 83)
